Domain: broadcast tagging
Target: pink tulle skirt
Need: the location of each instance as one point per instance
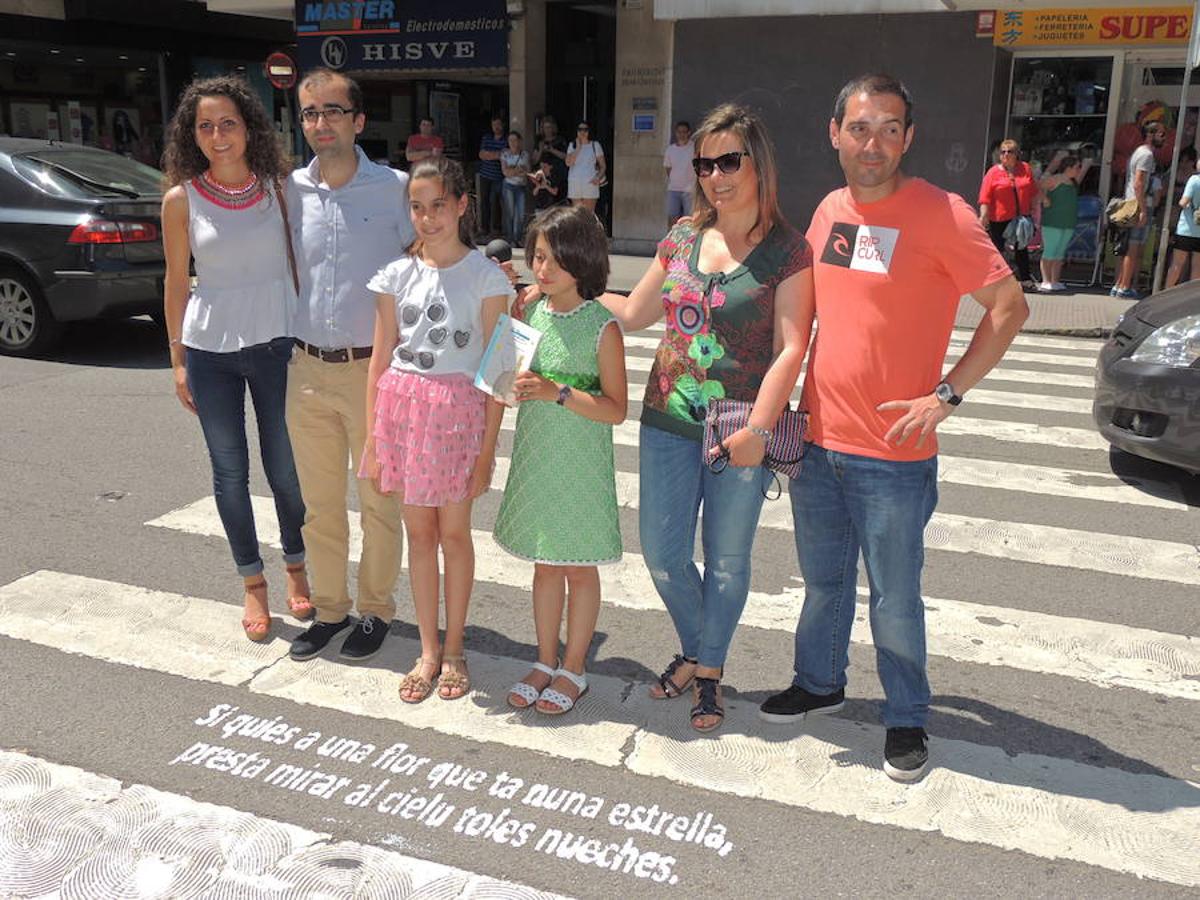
(428, 433)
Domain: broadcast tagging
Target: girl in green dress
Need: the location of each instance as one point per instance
(560, 504)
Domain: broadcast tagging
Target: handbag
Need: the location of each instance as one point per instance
(1020, 228)
(784, 451)
(1122, 213)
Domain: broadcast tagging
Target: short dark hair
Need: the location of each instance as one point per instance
(516, 134)
(685, 123)
(425, 119)
(321, 75)
(578, 242)
(873, 84)
(497, 117)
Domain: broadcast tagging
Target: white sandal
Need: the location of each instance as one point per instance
(526, 691)
(561, 701)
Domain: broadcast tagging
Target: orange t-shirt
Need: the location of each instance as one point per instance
(888, 278)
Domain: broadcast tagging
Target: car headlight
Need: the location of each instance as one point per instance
(1174, 344)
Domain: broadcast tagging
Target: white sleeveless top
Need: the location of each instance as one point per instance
(244, 294)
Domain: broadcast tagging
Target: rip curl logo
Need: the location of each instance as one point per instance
(867, 248)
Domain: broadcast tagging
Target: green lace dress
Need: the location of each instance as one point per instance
(560, 503)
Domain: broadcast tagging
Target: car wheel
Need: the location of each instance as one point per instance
(27, 327)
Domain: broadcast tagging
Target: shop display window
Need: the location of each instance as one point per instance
(1060, 103)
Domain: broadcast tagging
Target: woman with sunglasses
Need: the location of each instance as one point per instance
(585, 168)
(736, 283)
(1008, 191)
(231, 331)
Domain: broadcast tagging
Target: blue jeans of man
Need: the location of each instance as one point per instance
(843, 503)
(674, 482)
(514, 212)
(218, 382)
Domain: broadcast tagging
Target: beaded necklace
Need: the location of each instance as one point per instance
(241, 197)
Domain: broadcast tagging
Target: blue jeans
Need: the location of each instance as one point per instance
(514, 212)
(218, 383)
(679, 203)
(842, 503)
(674, 481)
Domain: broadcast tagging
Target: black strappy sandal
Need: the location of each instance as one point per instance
(670, 689)
(708, 705)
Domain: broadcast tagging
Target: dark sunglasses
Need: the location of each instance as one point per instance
(1007, 152)
(728, 163)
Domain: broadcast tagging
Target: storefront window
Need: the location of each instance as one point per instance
(99, 97)
(1058, 104)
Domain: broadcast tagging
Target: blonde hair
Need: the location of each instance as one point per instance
(750, 130)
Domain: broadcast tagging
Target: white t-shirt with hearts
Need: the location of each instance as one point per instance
(439, 311)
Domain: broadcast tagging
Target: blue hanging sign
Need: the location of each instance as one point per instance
(355, 35)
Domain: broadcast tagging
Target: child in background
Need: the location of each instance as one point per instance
(433, 437)
(560, 504)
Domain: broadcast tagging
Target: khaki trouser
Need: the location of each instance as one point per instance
(326, 416)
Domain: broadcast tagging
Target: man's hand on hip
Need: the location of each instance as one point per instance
(921, 415)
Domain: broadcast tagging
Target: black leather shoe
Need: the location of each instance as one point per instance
(317, 637)
(366, 638)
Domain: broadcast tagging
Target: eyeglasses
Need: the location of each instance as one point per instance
(1007, 152)
(332, 114)
(583, 128)
(728, 163)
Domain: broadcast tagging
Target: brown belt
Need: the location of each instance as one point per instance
(335, 356)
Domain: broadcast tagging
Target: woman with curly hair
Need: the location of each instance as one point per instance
(225, 210)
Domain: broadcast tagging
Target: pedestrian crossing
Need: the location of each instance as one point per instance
(1044, 806)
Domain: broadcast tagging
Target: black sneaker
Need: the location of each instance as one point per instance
(905, 756)
(366, 638)
(316, 638)
(795, 703)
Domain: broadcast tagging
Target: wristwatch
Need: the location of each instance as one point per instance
(945, 392)
(564, 394)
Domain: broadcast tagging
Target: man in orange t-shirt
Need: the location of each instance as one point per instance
(893, 256)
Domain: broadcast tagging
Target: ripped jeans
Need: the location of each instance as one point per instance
(674, 481)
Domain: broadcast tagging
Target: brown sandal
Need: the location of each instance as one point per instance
(256, 627)
(453, 683)
(300, 606)
(418, 686)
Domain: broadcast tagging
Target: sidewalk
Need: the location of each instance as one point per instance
(1088, 313)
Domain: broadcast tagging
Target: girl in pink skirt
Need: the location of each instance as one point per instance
(433, 437)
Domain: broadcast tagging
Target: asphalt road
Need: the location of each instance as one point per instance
(146, 749)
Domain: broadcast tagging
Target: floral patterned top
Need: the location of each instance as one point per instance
(720, 326)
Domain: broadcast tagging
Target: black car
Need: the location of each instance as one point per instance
(79, 239)
(1148, 380)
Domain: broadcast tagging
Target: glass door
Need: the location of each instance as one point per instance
(1061, 105)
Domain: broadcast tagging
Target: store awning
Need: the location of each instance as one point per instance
(707, 9)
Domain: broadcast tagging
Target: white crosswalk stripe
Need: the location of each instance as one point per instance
(970, 632)
(131, 822)
(1043, 806)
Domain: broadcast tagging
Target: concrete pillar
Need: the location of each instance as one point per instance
(527, 68)
(644, 54)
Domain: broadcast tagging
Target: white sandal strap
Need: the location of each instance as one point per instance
(526, 692)
(543, 668)
(558, 698)
(580, 681)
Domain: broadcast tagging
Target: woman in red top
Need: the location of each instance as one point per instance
(1008, 190)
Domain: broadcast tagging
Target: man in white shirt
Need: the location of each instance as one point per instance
(681, 177)
(1137, 187)
(349, 219)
